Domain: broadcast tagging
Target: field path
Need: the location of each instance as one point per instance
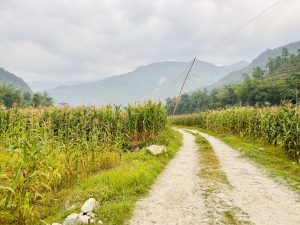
(266, 201)
(175, 198)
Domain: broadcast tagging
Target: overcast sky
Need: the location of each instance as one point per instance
(68, 41)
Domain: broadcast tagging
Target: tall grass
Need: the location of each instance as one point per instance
(279, 126)
(42, 149)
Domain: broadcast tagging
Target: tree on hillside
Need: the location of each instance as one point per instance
(257, 73)
(285, 55)
(271, 65)
(41, 100)
(293, 82)
(9, 96)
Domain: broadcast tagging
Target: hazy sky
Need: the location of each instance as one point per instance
(67, 41)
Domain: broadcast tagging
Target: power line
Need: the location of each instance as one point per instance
(221, 41)
(242, 26)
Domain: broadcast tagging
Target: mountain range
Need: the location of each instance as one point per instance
(156, 81)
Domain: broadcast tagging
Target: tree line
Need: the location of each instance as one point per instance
(12, 97)
(255, 90)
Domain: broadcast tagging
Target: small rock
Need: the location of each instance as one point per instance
(100, 222)
(84, 219)
(156, 149)
(89, 205)
(261, 149)
(91, 214)
(70, 222)
(56, 224)
(92, 221)
(72, 216)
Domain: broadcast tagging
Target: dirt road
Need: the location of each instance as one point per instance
(176, 197)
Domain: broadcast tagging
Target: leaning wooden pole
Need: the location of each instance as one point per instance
(177, 100)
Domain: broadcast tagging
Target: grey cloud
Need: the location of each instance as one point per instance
(88, 39)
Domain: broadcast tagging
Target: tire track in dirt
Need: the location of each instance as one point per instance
(266, 201)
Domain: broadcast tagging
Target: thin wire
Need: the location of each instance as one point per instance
(241, 27)
(221, 41)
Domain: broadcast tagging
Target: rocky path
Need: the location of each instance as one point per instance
(176, 196)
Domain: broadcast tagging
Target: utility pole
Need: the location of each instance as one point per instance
(177, 100)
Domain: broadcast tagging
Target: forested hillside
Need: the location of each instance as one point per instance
(260, 61)
(277, 82)
(7, 77)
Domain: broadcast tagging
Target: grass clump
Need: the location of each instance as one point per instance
(214, 182)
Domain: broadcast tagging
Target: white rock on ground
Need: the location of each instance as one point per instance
(56, 224)
(100, 222)
(70, 222)
(156, 149)
(72, 216)
(84, 219)
(91, 214)
(89, 205)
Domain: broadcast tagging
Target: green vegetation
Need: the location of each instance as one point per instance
(278, 83)
(276, 126)
(12, 97)
(119, 188)
(214, 182)
(44, 150)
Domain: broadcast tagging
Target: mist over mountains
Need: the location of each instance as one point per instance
(156, 81)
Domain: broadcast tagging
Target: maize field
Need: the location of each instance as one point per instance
(41, 150)
(279, 126)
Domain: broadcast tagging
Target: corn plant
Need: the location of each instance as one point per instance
(279, 126)
(42, 150)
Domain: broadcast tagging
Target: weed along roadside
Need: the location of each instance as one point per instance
(47, 155)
